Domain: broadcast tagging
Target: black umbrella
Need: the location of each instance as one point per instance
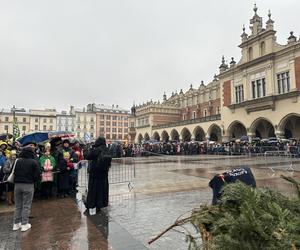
(5, 136)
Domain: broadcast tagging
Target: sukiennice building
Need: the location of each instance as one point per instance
(255, 97)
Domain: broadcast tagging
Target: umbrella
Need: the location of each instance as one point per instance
(5, 136)
(244, 138)
(36, 137)
(60, 134)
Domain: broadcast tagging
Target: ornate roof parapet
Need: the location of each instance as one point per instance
(223, 65)
(181, 92)
(164, 97)
(292, 38)
(232, 63)
(215, 78)
(270, 22)
(256, 22)
(244, 35)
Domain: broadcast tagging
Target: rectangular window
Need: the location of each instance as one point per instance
(258, 84)
(125, 130)
(6, 127)
(114, 117)
(92, 135)
(120, 124)
(6, 119)
(126, 124)
(120, 136)
(107, 129)
(253, 90)
(44, 128)
(205, 112)
(114, 123)
(259, 88)
(51, 120)
(194, 114)
(102, 117)
(51, 128)
(102, 123)
(263, 87)
(108, 117)
(119, 130)
(114, 130)
(78, 127)
(107, 123)
(239, 93)
(24, 119)
(92, 126)
(283, 82)
(114, 136)
(36, 119)
(102, 130)
(45, 120)
(107, 136)
(36, 127)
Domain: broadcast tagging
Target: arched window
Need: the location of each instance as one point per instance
(250, 53)
(262, 48)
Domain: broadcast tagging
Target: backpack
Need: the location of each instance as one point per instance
(104, 159)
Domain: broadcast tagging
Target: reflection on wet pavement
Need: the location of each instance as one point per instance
(164, 189)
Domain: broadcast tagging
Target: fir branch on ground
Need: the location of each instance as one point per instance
(246, 218)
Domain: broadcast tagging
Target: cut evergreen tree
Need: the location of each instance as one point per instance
(246, 218)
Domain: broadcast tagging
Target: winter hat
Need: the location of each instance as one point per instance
(66, 154)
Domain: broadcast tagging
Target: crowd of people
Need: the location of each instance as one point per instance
(234, 147)
(48, 170)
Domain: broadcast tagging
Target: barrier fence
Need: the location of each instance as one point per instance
(122, 170)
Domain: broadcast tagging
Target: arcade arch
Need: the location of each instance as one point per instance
(236, 130)
(186, 135)
(214, 133)
(165, 136)
(290, 126)
(262, 128)
(156, 136)
(199, 134)
(174, 135)
(147, 137)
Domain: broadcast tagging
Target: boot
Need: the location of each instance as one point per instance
(9, 198)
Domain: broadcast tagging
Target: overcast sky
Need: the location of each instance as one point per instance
(57, 53)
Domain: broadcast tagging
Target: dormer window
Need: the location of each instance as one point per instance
(262, 48)
(250, 53)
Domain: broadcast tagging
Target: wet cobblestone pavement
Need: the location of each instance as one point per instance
(163, 189)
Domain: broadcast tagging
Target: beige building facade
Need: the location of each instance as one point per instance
(85, 125)
(111, 121)
(258, 96)
(7, 120)
(42, 119)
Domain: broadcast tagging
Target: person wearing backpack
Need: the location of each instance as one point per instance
(98, 186)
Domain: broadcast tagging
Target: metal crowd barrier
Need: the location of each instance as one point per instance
(122, 171)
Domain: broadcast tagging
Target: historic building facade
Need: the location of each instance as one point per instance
(111, 121)
(255, 97)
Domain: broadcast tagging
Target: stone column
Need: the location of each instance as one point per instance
(279, 134)
(250, 136)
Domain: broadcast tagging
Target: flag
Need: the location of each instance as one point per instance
(16, 130)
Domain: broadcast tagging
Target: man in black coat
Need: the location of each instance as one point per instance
(98, 187)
